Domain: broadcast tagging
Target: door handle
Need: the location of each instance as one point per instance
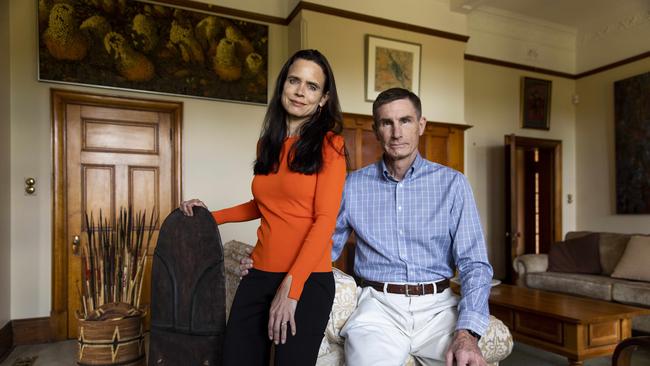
(75, 245)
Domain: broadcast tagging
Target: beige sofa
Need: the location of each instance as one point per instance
(532, 272)
(496, 345)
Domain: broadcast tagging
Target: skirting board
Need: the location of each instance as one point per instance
(6, 341)
(31, 331)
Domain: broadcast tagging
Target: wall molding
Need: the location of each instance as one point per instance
(513, 65)
(623, 25)
(6, 341)
(31, 331)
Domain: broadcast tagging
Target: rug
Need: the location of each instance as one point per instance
(25, 361)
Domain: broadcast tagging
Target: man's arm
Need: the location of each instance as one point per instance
(342, 230)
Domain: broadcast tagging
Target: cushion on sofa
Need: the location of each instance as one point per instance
(345, 301)
(611, 247)
(578, 255)
(593, 286)
(633, 265)
(631, 293)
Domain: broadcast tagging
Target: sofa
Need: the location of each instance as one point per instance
(608, 285)
(495, 345)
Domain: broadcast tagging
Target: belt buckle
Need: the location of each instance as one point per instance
(406, 287)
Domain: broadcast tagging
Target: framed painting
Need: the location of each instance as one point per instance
(632, 144)
(391, 63)
(143, 46)
(536, 103)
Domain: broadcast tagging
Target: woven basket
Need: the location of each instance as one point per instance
(112, 342)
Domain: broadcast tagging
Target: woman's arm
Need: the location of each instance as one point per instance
(244, 212)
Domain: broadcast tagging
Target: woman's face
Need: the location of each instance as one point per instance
(303, 90)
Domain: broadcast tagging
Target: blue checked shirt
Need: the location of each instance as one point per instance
(417, 230)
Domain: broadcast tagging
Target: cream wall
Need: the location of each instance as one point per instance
(218, 144)
(492, 106)
(595, 154)
(441, 76)
(5, 181)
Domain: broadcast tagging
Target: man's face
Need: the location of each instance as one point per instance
(398, 129)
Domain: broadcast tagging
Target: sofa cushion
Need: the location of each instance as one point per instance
(593, 286)
(345, 301)
(611, 247)
(578, 255)
(633, 265)
(631, 293)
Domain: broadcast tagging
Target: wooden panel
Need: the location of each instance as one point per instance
(601, 334)
(98, 191)
(31, 331)
(504, 314)
(143, 184)
(6, 341)
(113, 136)
(539, 326)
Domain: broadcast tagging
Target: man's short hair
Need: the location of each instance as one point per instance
(393, 94)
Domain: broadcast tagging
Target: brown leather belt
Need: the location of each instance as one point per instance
(408, 290)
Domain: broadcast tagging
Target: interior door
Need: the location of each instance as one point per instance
(512, 232)
(118, 153)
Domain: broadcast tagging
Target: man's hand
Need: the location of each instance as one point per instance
(464, 349)
(281, 315)
(246, 263)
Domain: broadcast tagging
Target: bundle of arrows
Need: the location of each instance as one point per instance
(114, 258)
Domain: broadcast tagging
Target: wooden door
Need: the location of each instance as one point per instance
(533, 197)
(116, 153)
(442, 143)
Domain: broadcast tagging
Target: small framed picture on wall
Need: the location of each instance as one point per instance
(391, 63)
(535, 103)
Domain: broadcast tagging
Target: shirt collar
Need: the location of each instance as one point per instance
(417, 163)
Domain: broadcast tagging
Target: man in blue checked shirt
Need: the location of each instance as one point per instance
(415, 222)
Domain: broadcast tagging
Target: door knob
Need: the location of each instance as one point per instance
(75, 245)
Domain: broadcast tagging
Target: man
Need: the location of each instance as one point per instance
(415, 223)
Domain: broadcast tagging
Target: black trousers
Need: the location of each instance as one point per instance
(247, 342)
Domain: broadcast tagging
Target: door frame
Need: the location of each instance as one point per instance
(59, 99)
(512, 142)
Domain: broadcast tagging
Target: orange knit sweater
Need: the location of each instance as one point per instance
(298, 215)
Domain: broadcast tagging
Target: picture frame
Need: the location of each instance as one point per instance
(391, 63)
(535, 103)
(153, 48)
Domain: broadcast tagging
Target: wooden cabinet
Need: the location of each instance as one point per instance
(441, 142)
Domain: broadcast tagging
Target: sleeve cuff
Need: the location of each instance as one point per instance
(471, 320)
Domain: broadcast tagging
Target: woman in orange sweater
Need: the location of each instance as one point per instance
(299, 175)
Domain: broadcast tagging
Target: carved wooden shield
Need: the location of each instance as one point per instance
(188, 310)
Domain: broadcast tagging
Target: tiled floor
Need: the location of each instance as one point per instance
(64, 353)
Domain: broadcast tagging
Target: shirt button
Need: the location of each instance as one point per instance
(401, 232)
(399, 208)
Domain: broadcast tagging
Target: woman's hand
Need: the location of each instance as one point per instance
(281, 315)
(246, 262)
(186, 206)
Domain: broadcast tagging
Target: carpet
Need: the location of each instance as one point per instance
(25, 361)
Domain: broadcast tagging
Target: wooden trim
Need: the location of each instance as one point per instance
(195, 5)
(441, 124)
(513, 65)
(31, 331)
(304, 5)
(613, 65)
(59, 99)
(6, 341)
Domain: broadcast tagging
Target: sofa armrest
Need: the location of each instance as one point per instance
(530, 263)
(233, 252)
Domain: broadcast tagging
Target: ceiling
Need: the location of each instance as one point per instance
(578, 14)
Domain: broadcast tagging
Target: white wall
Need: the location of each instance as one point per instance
(5, 182)
(492, 106)
(218, 145)
(441, 77)
(595, 153)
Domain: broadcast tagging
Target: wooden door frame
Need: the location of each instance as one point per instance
(59, 99)
(531, 142)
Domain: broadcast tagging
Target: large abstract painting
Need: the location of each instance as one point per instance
(150, 47)
(632, 119)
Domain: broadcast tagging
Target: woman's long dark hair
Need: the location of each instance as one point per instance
(306, 154)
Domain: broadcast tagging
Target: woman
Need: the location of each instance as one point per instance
(299, 175)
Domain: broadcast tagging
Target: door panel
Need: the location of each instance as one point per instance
(119, 153)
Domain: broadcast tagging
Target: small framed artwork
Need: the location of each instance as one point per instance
(391, 63)
(536, 103)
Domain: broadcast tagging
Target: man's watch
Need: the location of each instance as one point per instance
(474, 334)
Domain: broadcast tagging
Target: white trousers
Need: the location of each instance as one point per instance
(385, 328)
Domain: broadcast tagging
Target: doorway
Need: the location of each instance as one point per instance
(108, 152)
(533, 197)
